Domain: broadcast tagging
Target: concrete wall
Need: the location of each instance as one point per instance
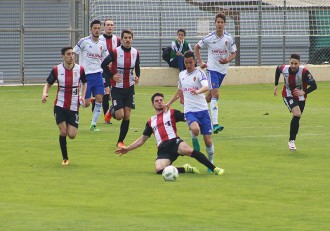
(166, 76)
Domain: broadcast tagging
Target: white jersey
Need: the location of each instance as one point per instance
(193, 81)
(91, 54)
(218, 48)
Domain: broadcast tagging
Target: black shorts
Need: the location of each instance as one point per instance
(122, 97)
(169, 150)
(70, 117)
(292, 102)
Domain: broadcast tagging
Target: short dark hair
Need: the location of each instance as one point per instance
(64, 49)
(127, 31)
(95, 21)
(295, 56)
(181, 30)
(189, 54)
(220, 15)
(156, 94)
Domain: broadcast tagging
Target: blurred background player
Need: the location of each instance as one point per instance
(294, 93)
(221, 51)
(66, 106)
(92, 51)
(179, 47)
(170, 146)
(193, 83)
(124, 61)
(112, 41)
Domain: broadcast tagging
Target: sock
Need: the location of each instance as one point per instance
(201, 158)
(210, 153)
(123, 130)
(294, 127)
(93, 104)
(64, 150)
(214, 110)
(105, 103)
(195, 142)
(96, 113)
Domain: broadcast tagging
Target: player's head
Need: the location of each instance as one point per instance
(68, 55)
(220, 22)
(126, 38)
(109, 26)
(189, 60)
(158, 101)
(64, 49)
(221, 16)
(95, 27)
(181, 34)
(294, 62)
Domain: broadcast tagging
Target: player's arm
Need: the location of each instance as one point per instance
(179, 116)
(277, 78)
(310, 81)
(307, 78)
(107, 74)
(198, 56)
(84, 86)
(137, 143)
(45, 93)
(137, 69)
(229, 58)
(50, 81)
(175, 97)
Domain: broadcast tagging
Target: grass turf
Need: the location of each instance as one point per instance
(265, 186)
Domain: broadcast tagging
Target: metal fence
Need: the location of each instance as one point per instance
(32, 32)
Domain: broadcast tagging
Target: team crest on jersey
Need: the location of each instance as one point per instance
(101, 48)
(226, 43)
(75, 73)
(194, 78)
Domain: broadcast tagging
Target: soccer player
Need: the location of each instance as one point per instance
(68, 75)
(193, 83)
(124, 59)
(112, 41)
(221, 51)
(170, 146)
(296, 81)
(179, 47)
(92, 51)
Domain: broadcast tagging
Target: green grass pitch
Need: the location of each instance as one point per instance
(265, 186)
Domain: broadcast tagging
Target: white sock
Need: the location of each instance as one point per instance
(214, 110)
(210, 153)
(96, 113)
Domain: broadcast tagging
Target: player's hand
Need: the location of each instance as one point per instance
(297, 92)
(136, 79)
(82, 101)
(44, 98)
(203, 65)
(275, 90)
(223, 61)
(116, 77)
(121, 150)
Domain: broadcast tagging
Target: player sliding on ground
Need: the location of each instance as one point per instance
(170, 146)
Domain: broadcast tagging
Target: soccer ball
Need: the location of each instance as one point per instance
(170, 173)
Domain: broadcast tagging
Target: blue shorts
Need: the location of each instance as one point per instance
(215, 78)
(95, 85)
(202, 118)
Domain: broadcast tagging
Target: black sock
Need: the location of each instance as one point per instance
(294, 127)
(123, 130)
(105, 103)
(64, 151)
(93, 105)
(201, 158)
